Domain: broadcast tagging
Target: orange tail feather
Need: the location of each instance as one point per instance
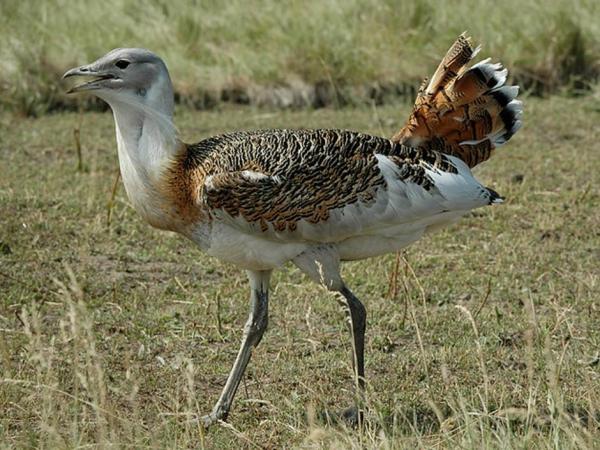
(465, 112)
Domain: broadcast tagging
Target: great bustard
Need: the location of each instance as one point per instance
(259, 199)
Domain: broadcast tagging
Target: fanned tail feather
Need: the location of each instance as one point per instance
(465, 112)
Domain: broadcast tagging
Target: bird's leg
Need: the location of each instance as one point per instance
(357, 316)
(253, 332)
(322, 265)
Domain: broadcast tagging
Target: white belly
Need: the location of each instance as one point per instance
(257, 252)
(362, 247)
(246, 251)
(393, 238)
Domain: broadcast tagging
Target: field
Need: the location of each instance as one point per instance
(116, 335)
(292, 53)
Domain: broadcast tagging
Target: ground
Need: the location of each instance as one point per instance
(483, 335)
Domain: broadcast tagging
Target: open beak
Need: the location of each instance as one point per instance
(87, 71)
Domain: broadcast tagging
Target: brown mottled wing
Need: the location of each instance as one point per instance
(273, 180)
(285, 176)
(465, 112)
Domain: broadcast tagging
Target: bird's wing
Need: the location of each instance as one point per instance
(328, 185)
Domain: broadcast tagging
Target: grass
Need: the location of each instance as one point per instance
(484, 335)
(292, 53)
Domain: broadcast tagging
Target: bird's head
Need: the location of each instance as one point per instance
(132, 76)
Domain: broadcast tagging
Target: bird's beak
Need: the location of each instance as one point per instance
(88, 71)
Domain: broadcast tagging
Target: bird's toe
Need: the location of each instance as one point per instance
(208, 420)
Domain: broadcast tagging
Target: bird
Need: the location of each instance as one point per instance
(313, 197)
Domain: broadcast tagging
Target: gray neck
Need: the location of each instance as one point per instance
(147, 143)
(146, 139)
(144, 122)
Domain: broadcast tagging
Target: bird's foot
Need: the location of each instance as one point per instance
(210, 419)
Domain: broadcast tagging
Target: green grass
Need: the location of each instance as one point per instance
(114, 334)
(292, 53)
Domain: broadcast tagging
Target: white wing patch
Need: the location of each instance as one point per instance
(252, 175)
(208, 182)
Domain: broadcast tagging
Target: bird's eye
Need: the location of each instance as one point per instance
(122, 63)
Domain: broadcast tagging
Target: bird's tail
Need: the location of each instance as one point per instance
(464, 111)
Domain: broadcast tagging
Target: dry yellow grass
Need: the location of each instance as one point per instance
(482, 336)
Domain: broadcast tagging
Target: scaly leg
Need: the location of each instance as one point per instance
(357, 315)
(358, 323)
(253, 332)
